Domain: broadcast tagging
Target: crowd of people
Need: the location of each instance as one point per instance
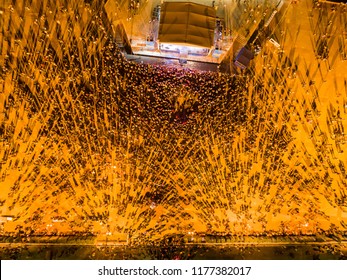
(102, 144)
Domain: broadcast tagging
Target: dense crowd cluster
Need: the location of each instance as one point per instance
(93, 142)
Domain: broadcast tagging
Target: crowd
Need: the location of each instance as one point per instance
(104, 144)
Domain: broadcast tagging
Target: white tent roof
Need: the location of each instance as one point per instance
(187, 23)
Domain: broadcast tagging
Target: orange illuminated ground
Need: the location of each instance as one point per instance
(92, 142)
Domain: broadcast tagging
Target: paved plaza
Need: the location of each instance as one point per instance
(93, 141)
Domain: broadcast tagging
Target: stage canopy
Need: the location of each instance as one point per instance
(187, 23)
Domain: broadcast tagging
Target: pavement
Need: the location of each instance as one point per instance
(302, 95)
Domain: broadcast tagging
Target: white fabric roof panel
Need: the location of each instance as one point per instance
(187, 23)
